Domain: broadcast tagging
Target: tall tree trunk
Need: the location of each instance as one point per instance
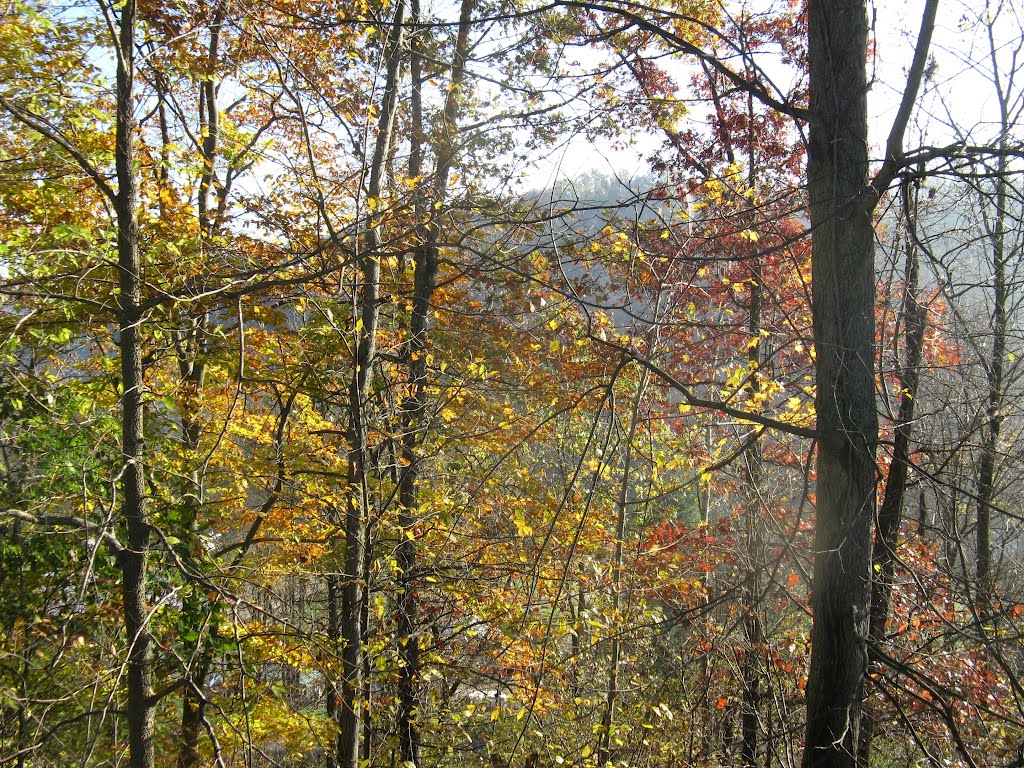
(612, 693)
(413, 406)
(999, 222)
(197, 620)
(424, 277)
(751, 595)
(354, 587)
(190, 348)
(841, 205)
(995, 374)
(890, 513)
(133, 559)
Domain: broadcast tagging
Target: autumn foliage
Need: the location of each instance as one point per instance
(448, 462)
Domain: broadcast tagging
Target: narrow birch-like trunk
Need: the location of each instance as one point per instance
(753, 478)
(354, 583)
(890, 513)
(191, 350)
(414, 406)
(612, 693)
(995, 373)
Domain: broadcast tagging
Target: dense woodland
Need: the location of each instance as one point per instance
(338, 429)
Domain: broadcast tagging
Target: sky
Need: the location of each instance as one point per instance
(960, 92)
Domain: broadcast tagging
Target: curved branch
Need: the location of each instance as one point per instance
(716, 405)
(49, 131)
(634, 18)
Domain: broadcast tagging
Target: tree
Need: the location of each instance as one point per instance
(842, 197)
(912, 319)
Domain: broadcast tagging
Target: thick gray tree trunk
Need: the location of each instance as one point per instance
(841, 204)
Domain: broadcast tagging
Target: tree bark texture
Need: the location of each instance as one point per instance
(841, 204)
(133, 559)
(995, 375)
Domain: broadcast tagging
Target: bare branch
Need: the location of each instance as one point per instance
(67, 521)
(894, 158)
